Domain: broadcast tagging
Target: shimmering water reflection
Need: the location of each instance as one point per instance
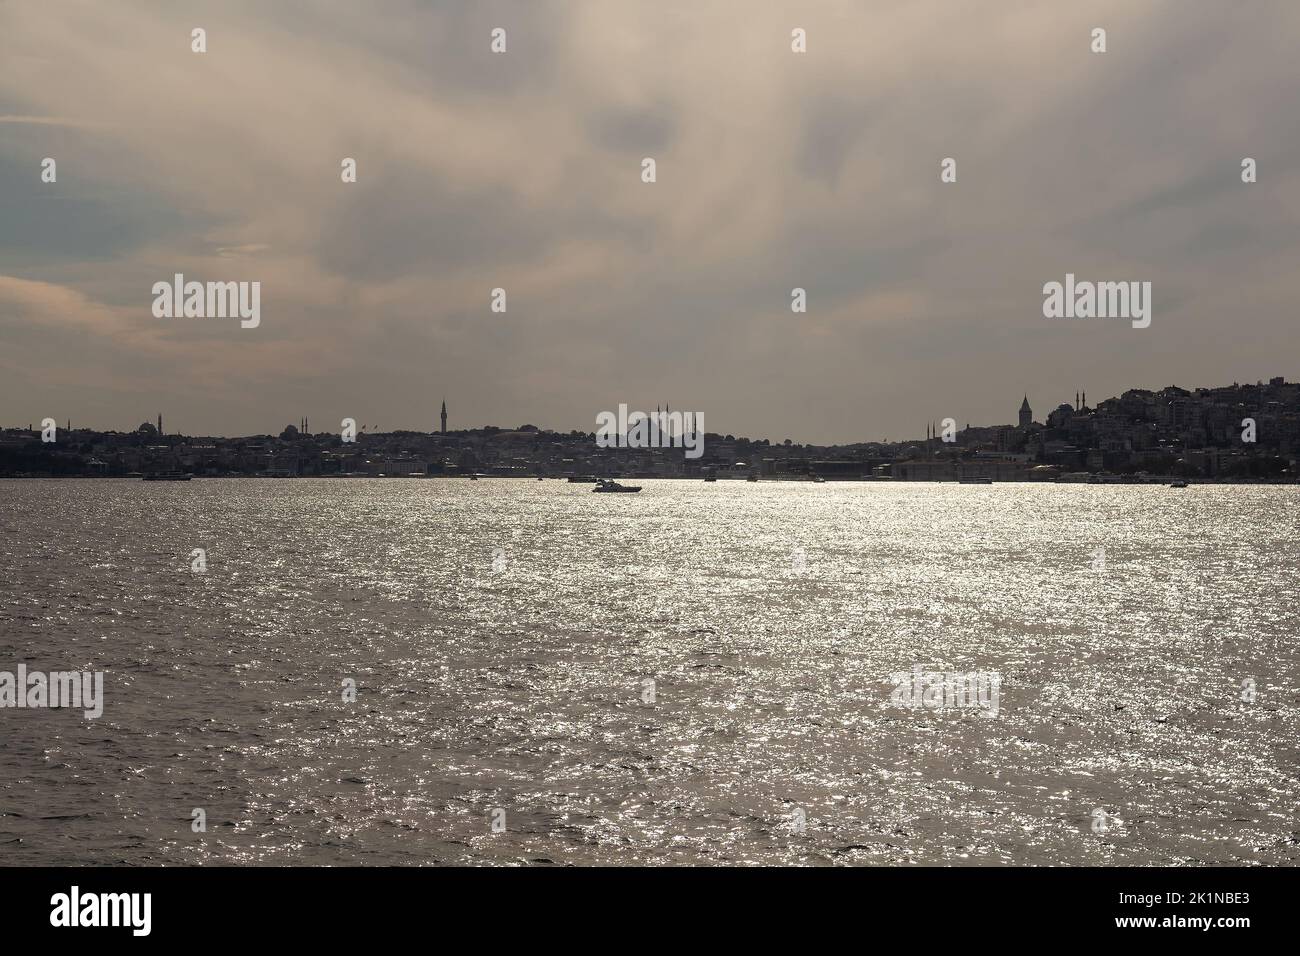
(499, 633)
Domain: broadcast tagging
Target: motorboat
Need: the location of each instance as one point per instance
(609, 484)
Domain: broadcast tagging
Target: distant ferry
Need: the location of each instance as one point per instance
(711, 478)
(1178, 484)
(167, 476)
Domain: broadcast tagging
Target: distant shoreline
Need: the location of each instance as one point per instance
(1092, 481)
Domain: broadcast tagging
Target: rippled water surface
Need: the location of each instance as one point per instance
(520, 687)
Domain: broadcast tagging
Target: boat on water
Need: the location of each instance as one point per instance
(711, 478)
(975, 480)
(818, 479)
(752, 478)
(167, 476)
(1178, 484)
(473, 477)
(609, 484)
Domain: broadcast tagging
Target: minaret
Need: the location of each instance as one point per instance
(160, 423)
(444, 416)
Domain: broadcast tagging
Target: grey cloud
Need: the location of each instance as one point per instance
(480, 170)
(829, 132)
(639, 132)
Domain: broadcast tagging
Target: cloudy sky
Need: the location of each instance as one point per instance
(523, 171)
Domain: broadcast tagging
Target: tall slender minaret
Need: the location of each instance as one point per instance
(444, 416)
(160, 423)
